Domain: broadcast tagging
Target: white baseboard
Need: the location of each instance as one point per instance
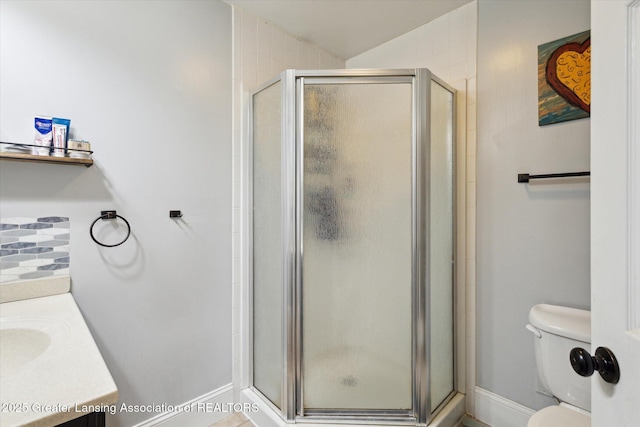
(451, 414)
(201, 411)
(209, 408)
(497, 411)
(264, 416)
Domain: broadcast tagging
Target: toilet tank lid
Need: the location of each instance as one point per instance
(564, 321)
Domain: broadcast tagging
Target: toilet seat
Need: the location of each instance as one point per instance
(559, 416)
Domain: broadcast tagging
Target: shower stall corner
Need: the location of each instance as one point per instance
(352, 246)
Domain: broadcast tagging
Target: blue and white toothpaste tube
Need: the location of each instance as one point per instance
(43, 135)
(60, 136)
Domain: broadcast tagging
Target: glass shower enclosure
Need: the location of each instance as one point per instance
(352, 257)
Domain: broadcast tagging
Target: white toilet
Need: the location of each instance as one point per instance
(556, 331)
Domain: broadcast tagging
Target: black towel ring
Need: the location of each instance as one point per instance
(109, 215)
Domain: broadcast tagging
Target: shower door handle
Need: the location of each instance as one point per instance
(604, 362)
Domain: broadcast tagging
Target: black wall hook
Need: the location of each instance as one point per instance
(175, 214)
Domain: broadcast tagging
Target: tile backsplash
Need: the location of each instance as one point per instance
(33, 248)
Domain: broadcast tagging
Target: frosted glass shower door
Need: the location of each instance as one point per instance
(356, 273)
(267, 265)
(441, 256)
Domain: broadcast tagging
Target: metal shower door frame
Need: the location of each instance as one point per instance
(293, 261)
(342, 77)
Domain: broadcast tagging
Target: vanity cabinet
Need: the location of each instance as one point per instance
(71, 357)
(94, 419)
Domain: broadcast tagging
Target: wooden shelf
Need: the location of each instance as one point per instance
(22, 157)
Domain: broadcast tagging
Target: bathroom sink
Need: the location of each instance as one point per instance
(50, 365)
(19, 346)
(25, 340)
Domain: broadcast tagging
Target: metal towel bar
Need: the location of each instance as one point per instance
(525, 177)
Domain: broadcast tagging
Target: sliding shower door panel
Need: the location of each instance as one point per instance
(356, 212)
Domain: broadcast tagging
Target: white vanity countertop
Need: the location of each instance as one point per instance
(51, 370)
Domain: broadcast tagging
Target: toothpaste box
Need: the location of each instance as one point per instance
(43, 135)
(60, 136)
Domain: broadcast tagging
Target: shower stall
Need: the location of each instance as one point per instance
(352, 237)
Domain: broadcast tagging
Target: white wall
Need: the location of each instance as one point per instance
(533, 240)
(149, 85)
(260, 52)
(447, 46)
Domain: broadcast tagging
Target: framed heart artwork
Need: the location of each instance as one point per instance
(564, 79)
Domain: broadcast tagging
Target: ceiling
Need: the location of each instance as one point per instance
(347, 28)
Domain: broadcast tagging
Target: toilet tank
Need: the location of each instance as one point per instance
(556, 331)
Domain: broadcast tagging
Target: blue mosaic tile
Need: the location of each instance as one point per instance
(38, 250)
(54, 243)
(18, 258)
(5, 265)
(6, 252)
(36, 226)
(18, 245)
(36, 275)
(20, 233)
(34, 247)
(53, 267)
(4, 278)
(53, 255)
(53, 219)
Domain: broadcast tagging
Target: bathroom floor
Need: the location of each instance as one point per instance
(468, 421)
(236, 420)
